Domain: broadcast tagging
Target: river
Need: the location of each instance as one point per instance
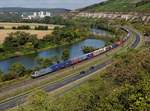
(30, 61)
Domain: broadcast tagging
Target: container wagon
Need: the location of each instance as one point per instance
(76, 60)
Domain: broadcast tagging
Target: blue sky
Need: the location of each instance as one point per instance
(71, 4)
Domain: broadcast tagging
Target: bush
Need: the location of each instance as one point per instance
(18, 39)
(22, 27)
(14, 27)
(17, 70)
(65, 54)
(142, 2)
(44, 62)
(88, 49)
(1, 76)
(39, 100)
(126, 69)
(2, 27)
(40, 27)
(7, 77)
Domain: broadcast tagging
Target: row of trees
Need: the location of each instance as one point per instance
(27, 27)
(108, 26)
(142, 2)
(22, 27)
(123, 87)
(41, 27)
(66, 35)
(58, 20)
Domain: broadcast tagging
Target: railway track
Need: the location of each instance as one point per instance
(22, 98)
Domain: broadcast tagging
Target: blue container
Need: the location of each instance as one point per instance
(60, 65)
(114, 46)
(89, 55)
(67, 63)
(84, 57)
(54, 67)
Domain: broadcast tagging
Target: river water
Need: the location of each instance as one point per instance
(30, 61)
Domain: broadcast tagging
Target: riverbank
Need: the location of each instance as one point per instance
(23, 52)
(29, 52)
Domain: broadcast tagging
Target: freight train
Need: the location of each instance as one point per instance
(79, 59)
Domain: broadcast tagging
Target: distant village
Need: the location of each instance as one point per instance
(36, 15)
(7, 14)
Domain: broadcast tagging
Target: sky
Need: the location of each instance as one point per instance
(69, 4)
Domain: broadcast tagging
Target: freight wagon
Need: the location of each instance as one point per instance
(79, 59)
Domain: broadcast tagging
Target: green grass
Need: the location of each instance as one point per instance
(119, 6)
(145, 7)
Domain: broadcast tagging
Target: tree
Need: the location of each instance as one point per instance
(35, 41)
(65, 54)
(88, 49)
(2, 27)
(44, 62)
(9, 42)
(18, 39)
(54, 20)
(39, 101)
(1, 76)
(41, 27)
(29, 46)
(17, 70)
(22, 27)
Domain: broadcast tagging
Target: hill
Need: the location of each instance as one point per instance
(9, 14)
(20, 9)
(120, 6)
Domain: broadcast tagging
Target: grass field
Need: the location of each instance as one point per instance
(40, 33)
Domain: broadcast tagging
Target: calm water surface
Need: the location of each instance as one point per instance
(29, 61)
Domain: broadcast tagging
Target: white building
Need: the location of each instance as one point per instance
(48, 14)
(41, 14)
(35, 15)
